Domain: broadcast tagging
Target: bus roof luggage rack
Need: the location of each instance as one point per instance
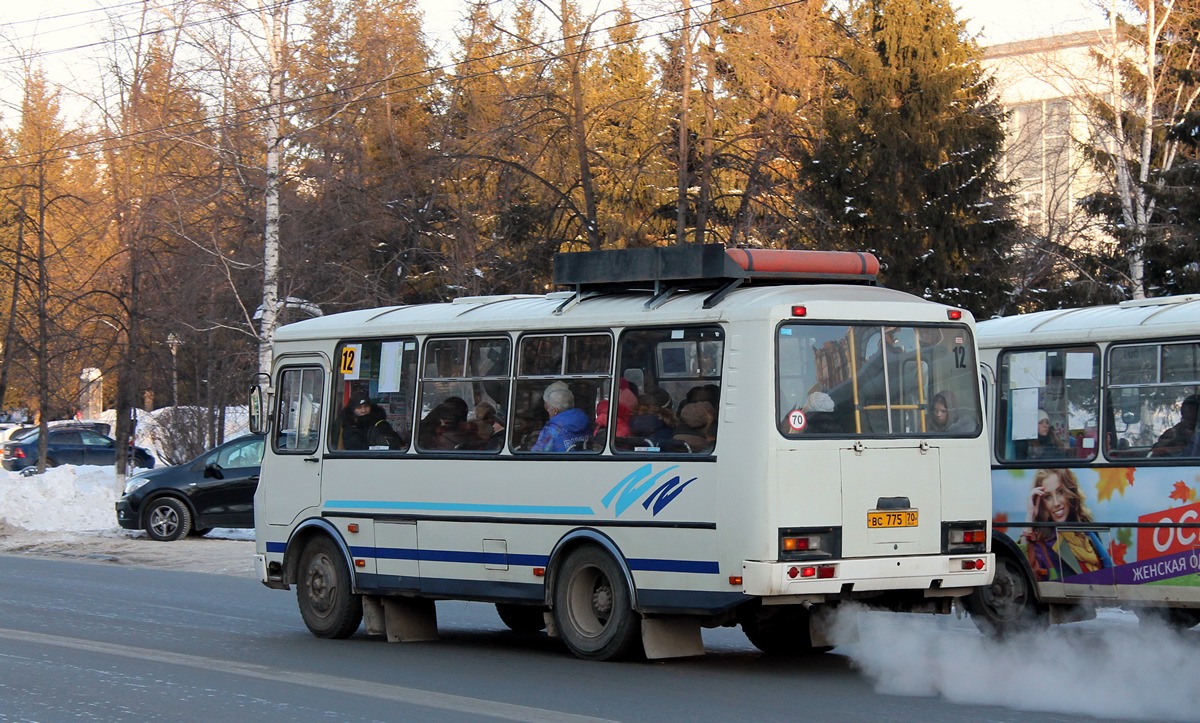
(669, 269)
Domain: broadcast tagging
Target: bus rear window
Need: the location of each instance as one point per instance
(875, 380)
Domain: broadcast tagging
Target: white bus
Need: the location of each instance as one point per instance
(691, 436)
(1096, 463)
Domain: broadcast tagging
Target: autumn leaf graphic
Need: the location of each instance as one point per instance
(1117, 550)
(1113, 479)
(1000, 522)
(1183, 493)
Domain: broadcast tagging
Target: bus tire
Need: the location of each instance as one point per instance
(329, 608)
(167, 519)
(593, 607)
(522, 618)
(1174, 618)
(1009, 605)
(784, 633)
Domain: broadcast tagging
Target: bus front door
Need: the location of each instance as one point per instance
(290, 483)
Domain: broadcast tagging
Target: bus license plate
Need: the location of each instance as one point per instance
(893, 518)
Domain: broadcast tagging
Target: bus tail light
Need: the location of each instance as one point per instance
(973, 564)
(954, 314)
(812, 572)
(799, 310)
(809, 543)
(960, 537)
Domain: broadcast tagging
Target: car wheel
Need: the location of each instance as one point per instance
(522, 618)
(1174, 618)
(782, 633)
(1009, 605)
(167, 519)
(593, 607)
(329, 608)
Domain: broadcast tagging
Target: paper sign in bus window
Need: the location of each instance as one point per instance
(1024, 413)
(1027, 370)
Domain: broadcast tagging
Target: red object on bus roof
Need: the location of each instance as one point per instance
(780, 261)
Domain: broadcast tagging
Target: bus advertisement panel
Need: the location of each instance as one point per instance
(1096, 463)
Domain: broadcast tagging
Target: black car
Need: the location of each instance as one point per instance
(215, 489)
(67, 445)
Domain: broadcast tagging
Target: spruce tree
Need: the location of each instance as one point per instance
(907, 167)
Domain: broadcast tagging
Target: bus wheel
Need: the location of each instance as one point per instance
(593, 608)
(784, 633)
(329, 608)
(167, 520)
(1008, 605)
(1177, 618)
(522, 618)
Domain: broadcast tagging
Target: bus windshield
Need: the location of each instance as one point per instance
(874, 380)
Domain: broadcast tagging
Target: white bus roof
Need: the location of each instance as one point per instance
(834, 302)
(1162, 317)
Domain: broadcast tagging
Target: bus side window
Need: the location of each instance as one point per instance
(562, 393)
(678, 397)
(464, 391)
(1049, 404)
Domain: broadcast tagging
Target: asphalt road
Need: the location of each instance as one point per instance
(112, 642)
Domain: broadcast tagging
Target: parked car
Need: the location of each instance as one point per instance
(215, 489)
(66, 445)
(16, 431)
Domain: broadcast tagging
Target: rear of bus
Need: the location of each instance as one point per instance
(881, 482)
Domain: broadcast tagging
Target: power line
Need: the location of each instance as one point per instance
(135, 36)
(178, 131)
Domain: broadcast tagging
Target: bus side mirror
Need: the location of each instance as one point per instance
(1129, 418)
(258, 425)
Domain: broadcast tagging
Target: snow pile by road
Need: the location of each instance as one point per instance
(64, 499)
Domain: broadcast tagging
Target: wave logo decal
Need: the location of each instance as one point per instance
(641, 483)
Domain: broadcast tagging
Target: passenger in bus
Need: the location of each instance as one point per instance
(365, 426)
(626, 402)
(945, 416)
(1054, 553)
(819, 414)
(698, 421)
(653, 418)
(1180, 440)
(567, 424)
(1047, 445)
(488, 429)
(446, 426)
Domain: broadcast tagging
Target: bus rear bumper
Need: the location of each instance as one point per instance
(937, 575)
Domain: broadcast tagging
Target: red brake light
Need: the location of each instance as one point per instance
(954, 314)
(799, 310)
(18, 453)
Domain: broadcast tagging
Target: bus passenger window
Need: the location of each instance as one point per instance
(463, 395)
(1153, 400)
(562, 393)
(373, 396)
(1047, 404)
(673, 376)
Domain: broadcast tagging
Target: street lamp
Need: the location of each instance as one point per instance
(174, 342)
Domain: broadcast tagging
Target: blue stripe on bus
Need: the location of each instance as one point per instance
(700, 567)
(459, 507)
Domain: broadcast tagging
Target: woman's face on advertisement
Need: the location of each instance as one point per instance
(1055, 499)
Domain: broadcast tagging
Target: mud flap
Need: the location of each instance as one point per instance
(671, 637)
(403, 620)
